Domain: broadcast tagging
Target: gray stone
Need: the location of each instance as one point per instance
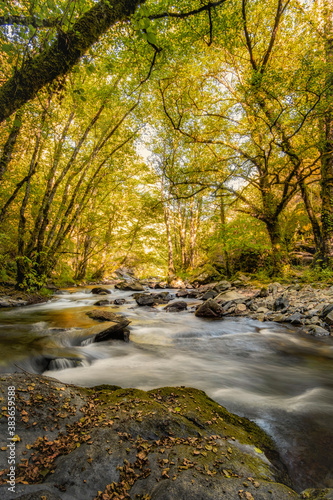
(210, 294)
(135, 286)
(180, 305)
(281, 303)
(165, 444)
(115, 332)
(227, 296)
(102, 303)
(295, 319)
(209, 309)
(316, 331)
(222, 286)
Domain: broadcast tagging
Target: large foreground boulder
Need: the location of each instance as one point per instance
(110, 443)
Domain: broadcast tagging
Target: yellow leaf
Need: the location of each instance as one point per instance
(257, 450)
(16, 438)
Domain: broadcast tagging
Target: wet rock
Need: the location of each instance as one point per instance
(209, 309)
(295, 319)
(210, 294)
(176, 306)
(135, 286)
(161, 285)
(328, 314)
(182, 293)
(102, 303)
(100, 291)
(316, 331)
(119, 302)
(165, 444)
(152, 299)
(104, 315)
(114, 332)
(144, 299)
(281, 303)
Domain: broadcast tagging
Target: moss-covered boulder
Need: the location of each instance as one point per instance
(111, 443)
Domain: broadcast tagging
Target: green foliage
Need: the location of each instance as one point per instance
(33, 280)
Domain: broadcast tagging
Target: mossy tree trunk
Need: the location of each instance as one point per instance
(63, 54)
(327, 143)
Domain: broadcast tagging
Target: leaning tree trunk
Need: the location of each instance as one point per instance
(63, 54)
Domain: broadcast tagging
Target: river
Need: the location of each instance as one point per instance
(278, 377)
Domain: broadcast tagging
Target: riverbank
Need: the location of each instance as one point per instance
(10, 297)
(257, 369)
(111, 443)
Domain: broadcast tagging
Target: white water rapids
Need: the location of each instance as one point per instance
(276, 376)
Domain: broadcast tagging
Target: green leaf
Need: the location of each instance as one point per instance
(151, 37)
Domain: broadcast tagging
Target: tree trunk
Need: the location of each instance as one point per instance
(10, 143)
(171, 267)
(223, 237)
(63, 54)
(278, 253)
(327, 149)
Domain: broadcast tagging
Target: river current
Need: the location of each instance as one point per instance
(278, 377)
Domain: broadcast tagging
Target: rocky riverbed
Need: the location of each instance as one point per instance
(307, 307)
(105, 443)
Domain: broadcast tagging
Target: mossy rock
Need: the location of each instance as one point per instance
(108, 442)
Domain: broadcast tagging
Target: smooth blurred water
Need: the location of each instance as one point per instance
(274, 375)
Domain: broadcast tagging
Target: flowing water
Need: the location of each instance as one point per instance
(276, 376)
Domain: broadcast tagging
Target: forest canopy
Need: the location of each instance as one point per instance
(173, 138)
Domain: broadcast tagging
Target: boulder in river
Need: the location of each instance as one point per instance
(135, 286)
(108, 442)
(100, 291)
(104, 315)
(152, 299)
(114, 332)
(180, 305)
(119, 302)
(102, 303)
(209, 309)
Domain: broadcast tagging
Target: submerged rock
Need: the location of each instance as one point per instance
(108, 442)
(100, 291)
(104, 315)
(102, 303)
(180, 305)
(119, 302)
